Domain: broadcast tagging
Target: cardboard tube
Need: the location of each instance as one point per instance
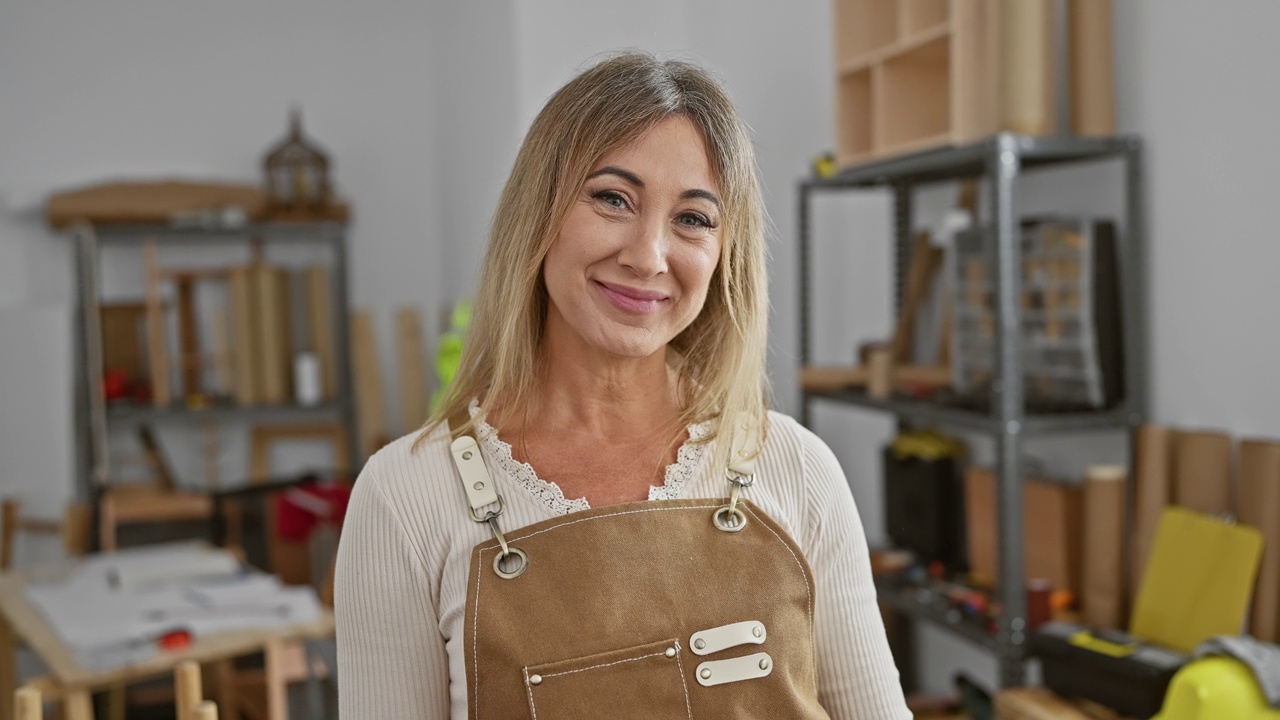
(1152, 473)
(1102, 598)
(1259, 506)
(1202, 472)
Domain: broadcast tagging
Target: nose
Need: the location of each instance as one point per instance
(645, 251)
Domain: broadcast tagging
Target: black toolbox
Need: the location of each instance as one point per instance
(1108, 667)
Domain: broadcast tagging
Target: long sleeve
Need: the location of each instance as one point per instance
(857, 677)
(391, 655)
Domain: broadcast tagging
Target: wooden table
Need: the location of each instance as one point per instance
(74, 685)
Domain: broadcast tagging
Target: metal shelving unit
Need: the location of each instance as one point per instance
(92, 416)
(999, 161)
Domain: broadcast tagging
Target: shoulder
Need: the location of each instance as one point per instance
(798, 448)
(414, 478)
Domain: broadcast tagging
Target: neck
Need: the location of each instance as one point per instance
(598, 394)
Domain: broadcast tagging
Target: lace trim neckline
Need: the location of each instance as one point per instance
(677, 476)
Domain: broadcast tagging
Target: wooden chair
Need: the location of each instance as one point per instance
(73, 528)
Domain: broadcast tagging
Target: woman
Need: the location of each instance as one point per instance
(577, 533)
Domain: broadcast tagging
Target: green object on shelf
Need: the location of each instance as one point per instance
(449, 351)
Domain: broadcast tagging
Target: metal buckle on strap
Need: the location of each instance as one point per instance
(730, 518)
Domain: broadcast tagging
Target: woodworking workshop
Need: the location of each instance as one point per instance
(499, 360)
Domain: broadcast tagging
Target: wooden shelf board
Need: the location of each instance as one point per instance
(901, 47)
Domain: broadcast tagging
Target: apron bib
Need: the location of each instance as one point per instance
(645, 610)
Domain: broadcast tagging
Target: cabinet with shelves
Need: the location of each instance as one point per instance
(95, 418)
(998, 162)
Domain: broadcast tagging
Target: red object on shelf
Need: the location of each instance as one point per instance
(300, 509)
(1039, 603)
(115, 384)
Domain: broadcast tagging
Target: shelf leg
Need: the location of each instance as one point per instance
(1007, 403)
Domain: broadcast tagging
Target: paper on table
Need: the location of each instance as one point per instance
(113, 608)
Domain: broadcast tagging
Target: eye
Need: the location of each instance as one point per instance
(612, 198)
(694, 220)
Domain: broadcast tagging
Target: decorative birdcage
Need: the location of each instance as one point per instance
(297, 173)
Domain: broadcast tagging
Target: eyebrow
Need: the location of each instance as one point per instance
(634, 179)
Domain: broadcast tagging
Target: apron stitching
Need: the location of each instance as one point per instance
(688, 708)
(533, 708)
(475, 638)
(601, 665)
(803, 573)
(517, 538)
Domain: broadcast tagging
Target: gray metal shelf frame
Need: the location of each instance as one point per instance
(93, 417)
(999, 161)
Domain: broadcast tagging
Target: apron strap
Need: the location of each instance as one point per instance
(481, 492)
(745, 439)
(476, 482)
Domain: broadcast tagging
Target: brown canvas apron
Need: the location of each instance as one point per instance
(655, 609)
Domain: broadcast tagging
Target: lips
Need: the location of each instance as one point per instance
(631, 299)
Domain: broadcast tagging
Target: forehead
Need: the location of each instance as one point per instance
(671, 154)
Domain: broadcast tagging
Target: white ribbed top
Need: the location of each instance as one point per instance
(403, 561)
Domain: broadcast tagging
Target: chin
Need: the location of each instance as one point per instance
(630, 343)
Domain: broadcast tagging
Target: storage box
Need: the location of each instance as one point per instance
(1051, 524)
(1108, 667)
(924, 507)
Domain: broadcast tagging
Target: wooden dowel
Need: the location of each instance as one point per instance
(27, 704)
(187, 690)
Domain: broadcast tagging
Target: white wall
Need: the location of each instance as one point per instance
(423, 106)
(150, 88)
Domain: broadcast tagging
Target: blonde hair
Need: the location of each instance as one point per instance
(721, 355)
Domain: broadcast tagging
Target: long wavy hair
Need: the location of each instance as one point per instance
(720, 356)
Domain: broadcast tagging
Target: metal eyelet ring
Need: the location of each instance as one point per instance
(729, 519)
(519, 554)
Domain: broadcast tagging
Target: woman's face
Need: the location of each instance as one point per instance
(632, 264)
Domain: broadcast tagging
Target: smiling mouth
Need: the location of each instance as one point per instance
(631, 299)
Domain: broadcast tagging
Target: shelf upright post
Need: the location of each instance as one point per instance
(90, 405)
(802, 230)
(342, 340)
(902, 222)
(1003, 167)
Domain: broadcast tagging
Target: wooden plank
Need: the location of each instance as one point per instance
(244, 350)
(413, 369)
(122, 333)
(27, 704)
(78, 705)
(924, 264)
(1093, 98)
(157, 342)
(155, 458)
(275, 333)
(220, 338)
(320, 303)
(8, 667)
(818, 378)
(276, 680)
(371, 411)
(189, 360)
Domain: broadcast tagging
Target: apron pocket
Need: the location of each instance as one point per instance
(644, 682)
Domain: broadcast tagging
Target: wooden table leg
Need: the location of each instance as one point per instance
(8, 669)
(117, 702)
(276, 682)
(78, 705)
(224, 682)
